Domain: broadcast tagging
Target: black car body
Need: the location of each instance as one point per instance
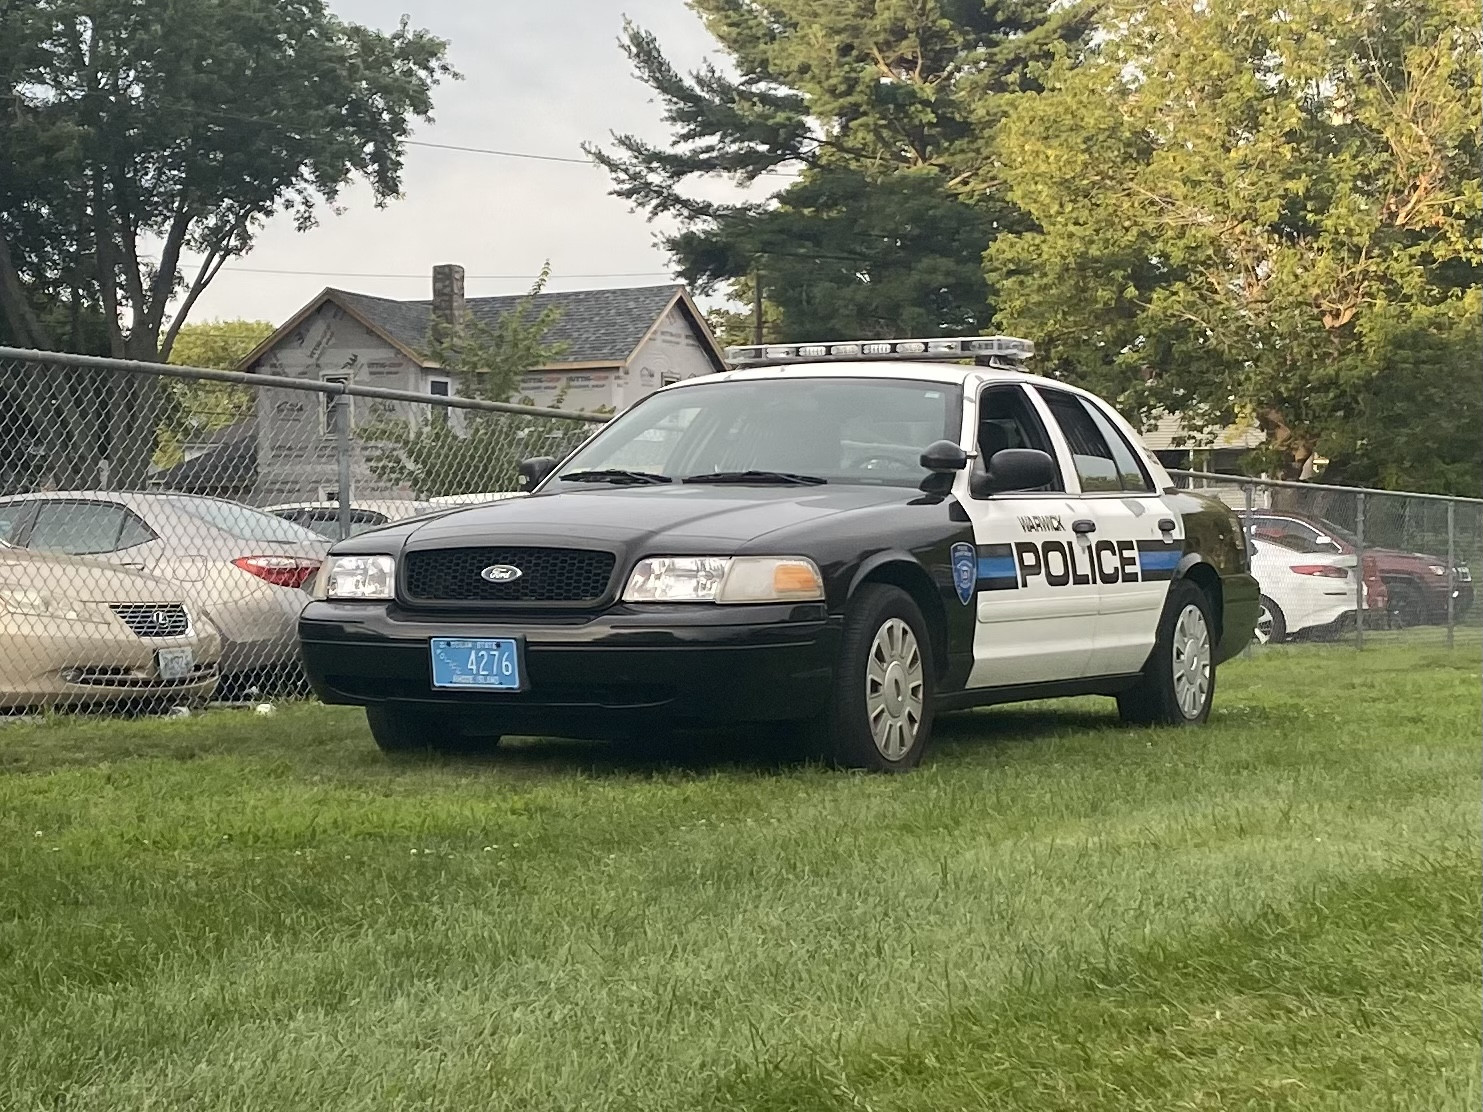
(549, 579)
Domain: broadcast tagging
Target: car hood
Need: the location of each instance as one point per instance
(685, 519)
(79, 579)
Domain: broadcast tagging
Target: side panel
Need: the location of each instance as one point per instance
(1213, 536)
(1135, 561)
(1037, 595)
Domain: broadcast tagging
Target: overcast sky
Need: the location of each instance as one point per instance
(538, 77)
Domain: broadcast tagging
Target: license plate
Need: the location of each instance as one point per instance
(484, 663)
(175, 664)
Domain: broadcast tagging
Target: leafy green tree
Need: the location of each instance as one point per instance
(463, 451)
(194, 408)
(876, 114)
(132, 134)
(1263, 211)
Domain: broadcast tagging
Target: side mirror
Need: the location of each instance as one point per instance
(944, 456)
(532, 471)
(1013, 469)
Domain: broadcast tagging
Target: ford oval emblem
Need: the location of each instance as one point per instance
(501, 573)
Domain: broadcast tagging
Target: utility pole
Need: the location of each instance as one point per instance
(757, 302)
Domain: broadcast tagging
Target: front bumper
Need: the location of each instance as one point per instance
(46, 662)
(592, 676)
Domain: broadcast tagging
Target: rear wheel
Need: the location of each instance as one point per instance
(1178, 681)
(1271, 624)
(881, 714)
(400, 729)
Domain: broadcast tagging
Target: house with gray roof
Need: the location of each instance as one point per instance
(619, 345)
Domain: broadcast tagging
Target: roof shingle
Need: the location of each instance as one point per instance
(595, 325)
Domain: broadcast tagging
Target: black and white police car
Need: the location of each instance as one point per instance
(853, 537)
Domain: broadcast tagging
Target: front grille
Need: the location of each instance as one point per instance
(570, 575)
(167, 619)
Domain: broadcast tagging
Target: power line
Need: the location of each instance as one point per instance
(555, 276)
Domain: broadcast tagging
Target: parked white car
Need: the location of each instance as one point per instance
(1307, 593)
(446, 500)
(246, 570)
(324, 517)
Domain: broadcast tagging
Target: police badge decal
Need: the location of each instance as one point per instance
(965, 571)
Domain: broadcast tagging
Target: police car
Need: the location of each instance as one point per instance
(849, 537)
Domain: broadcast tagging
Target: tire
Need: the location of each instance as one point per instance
(1271, 624)
(400, 729)
(880, 715)
(1168, 693)
(1405, 604)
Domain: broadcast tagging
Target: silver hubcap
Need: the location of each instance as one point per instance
(1191, 661)
(894, 689)
(1263, 632)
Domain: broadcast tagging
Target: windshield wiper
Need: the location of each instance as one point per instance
(615, 475)
(786, 478)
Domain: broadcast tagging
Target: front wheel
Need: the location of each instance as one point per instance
(881, 713)
(399, 729)
(1178, 681)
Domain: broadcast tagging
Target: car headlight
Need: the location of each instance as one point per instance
(25, 602)
(356, 577)
(728, 579)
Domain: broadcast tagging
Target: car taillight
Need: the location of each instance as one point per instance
(1328, 571)
(281, 571)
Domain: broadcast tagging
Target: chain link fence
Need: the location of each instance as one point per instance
(1356, 565)
(161, 525)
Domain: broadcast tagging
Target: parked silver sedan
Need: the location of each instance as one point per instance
(246, 570)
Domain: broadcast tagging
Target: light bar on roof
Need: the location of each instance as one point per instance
(1011, 349)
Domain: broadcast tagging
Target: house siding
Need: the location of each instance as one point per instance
(296, 453)
(674, 352)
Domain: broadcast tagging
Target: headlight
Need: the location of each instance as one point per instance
(730, 579)
(356, 577)
(37, 604)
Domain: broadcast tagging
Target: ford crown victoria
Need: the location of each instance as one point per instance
(845, 538)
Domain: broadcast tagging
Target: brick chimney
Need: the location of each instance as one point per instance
(448, 304)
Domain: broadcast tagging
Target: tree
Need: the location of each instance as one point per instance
(463, 451)
(134, 133)
(193, 408)
(1264, 211)
(882, 108)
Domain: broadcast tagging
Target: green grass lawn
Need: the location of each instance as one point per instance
(1279, 911)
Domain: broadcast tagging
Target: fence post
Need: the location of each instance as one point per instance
(1359, 570)
(342, 460)
(1451, 569)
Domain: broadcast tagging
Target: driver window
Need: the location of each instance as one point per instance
(1007, 420)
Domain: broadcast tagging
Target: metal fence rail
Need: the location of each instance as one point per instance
(165, 521)
(1410, 561)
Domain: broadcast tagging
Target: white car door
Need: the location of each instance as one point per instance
(1136, 541)
(1035, 596)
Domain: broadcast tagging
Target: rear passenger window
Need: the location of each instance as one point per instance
(134, 532)
(1103, 458)
(10, 517)
(77, 528)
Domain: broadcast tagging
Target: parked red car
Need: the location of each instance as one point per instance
(1417, 584)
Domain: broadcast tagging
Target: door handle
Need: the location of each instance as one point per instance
(1166, 525)
(1083, 525)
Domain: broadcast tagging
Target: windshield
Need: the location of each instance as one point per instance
(243, 522)
(842, 430)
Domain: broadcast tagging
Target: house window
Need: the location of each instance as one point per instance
(330, 408)
(440, 388)
(669, 378)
